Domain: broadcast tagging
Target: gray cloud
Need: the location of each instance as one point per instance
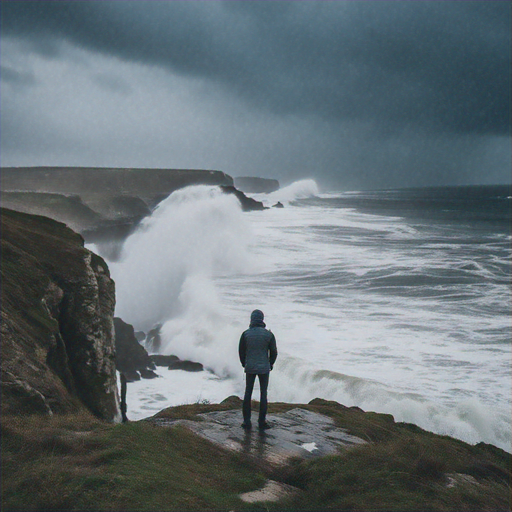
(18, 78)
(374, 90)
(112, 82)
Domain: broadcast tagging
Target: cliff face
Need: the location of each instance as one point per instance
(58, 352)
(131, 356)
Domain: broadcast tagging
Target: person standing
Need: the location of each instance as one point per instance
(258, 352)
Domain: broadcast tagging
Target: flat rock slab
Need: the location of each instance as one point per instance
(273, 491)
(295, 433)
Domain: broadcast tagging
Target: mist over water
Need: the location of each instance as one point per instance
(370, 309)
(298, 190)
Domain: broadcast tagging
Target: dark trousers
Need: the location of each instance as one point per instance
(249, 386)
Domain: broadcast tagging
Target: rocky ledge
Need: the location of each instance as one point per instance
(297, 432)
(326, 456)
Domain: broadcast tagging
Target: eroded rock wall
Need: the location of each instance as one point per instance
(58, 351)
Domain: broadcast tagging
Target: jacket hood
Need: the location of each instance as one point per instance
(257, 318)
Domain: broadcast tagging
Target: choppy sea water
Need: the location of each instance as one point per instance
(393, 301)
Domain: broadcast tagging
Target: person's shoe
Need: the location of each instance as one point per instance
(264, 426)
(246, 426)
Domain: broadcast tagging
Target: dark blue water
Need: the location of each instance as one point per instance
(480, 207)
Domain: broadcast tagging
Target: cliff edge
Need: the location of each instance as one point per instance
(58, 352)
(317, 456)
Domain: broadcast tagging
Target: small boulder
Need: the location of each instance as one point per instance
(131, 376)
(188, 366)
(162, 360)
(278, 205)
(148, 374)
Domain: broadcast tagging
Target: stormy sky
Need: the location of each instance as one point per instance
(356, 94)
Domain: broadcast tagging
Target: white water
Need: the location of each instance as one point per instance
(194, 234)
(200, 266)
(298, 190)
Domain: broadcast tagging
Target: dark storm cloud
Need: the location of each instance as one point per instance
(18, 78)
(357, 94)
(415, 66)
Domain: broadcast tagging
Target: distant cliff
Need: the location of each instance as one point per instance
(102, 204)
(58, 299)
(92, 182)
(256, 185)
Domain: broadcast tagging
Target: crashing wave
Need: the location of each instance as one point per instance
(197, 232)
(297, 190)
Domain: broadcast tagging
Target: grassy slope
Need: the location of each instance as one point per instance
(46, 465)
(80, 463)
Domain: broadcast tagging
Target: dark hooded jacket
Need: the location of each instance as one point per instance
(257, 347)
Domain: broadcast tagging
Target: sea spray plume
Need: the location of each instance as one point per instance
(196, 231)
(297, 190)
(203, 332)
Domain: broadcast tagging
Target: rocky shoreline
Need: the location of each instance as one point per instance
(61, 350)
(133, 360)
(61, 345)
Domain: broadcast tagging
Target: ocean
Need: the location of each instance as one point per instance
(395, 301)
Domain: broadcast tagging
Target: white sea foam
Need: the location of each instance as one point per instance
(202, 332)
(146, 397)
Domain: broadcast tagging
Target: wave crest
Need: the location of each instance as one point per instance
(297, 190)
